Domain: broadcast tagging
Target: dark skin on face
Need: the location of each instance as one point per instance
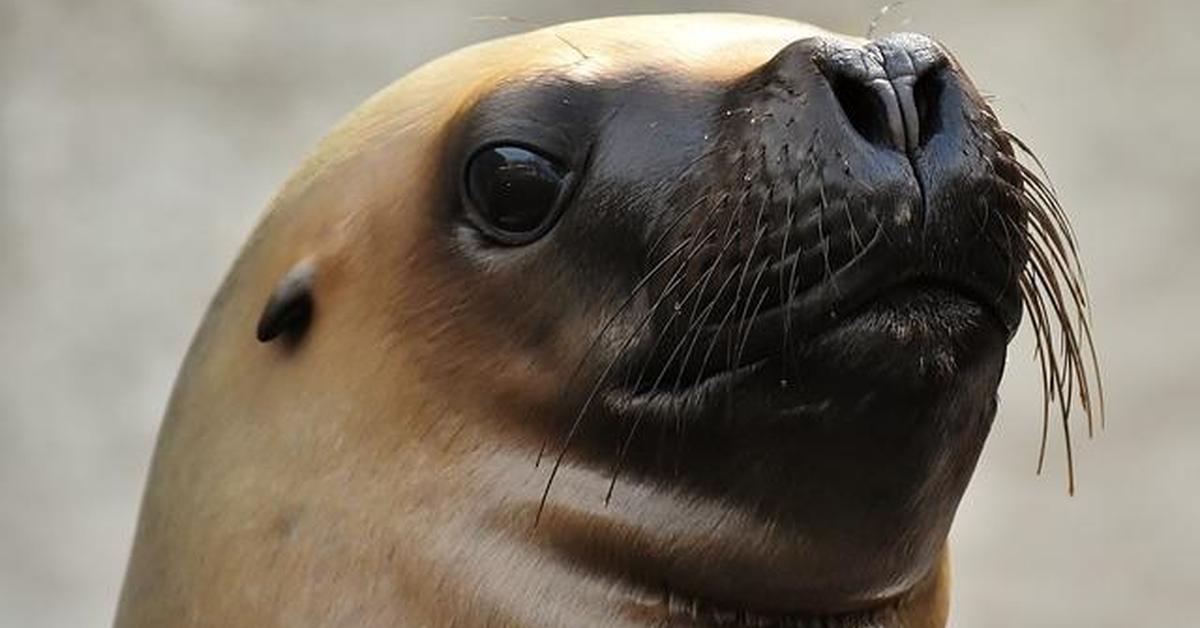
(816, 269)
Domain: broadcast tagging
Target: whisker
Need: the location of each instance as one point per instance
(694, 323)
(596, 389)
(750, 325)
(676, 279)
(757, 278)
(645, 280)
(784, 287)
(1054, 294)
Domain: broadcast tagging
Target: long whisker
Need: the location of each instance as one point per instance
(633, 293)
(693, 332)
(697, 319)
(595, 390)
(750, 325)
(1054, 293)
(745, 271)
(673, 283)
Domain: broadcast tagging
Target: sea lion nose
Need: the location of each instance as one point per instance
(890, 91)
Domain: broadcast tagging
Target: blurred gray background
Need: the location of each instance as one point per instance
(139, 140)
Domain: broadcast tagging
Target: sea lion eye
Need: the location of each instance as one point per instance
(514, 192)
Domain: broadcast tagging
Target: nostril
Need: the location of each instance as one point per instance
(927, 92)
(863, 108)
(891, 91)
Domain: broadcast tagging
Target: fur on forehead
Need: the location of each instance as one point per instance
(710, 46)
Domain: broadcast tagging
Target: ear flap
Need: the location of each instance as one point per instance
(290, 308)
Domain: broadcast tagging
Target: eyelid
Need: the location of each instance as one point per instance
(544, 139)
(559, 163)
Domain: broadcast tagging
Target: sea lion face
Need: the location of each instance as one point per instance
(782, 291)
(715, 304)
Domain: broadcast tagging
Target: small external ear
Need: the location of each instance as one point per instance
(290, 308)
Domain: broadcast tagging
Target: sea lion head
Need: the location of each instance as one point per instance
(713, 305)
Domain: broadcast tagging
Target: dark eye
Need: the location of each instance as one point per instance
(514, 192)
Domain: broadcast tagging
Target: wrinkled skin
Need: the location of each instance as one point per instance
(743, 378)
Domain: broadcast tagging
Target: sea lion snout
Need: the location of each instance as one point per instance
(845, 174)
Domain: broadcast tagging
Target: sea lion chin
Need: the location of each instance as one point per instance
(663, 320)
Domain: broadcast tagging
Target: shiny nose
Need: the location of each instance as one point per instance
(890, 91)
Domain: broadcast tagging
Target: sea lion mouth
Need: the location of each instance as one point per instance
(892, 312)
(707, 612)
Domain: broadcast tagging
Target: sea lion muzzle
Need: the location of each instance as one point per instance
(846, 174)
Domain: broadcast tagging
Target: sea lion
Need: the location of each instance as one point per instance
(671, 320)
